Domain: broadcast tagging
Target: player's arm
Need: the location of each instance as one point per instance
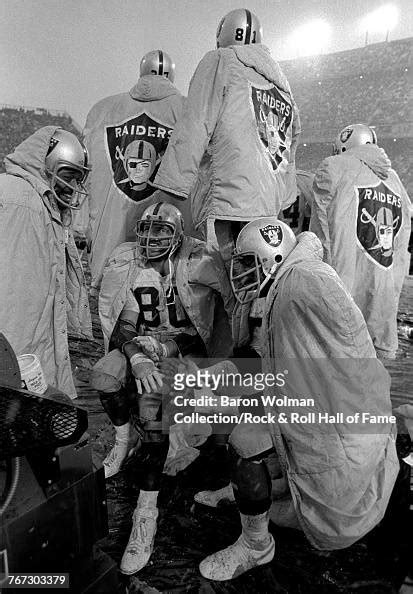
(186, 344)
(182, 344)
(324, 191)
(126, 339)
(124, 332)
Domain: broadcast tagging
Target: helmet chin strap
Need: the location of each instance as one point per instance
(268, 278)
(67, 204)
(59, 200)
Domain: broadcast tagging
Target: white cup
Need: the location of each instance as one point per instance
(32, 374)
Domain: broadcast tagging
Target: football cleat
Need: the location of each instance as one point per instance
(141, 540)
(214, 498)
(121, 450)
(236, 560)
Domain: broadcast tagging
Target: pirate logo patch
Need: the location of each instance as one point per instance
(134, 149)
(272, 234)
(273, 116)
(345, 134)
(378, 222)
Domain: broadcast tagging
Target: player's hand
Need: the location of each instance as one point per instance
(147, 376)
(150, 383)
(151, 347)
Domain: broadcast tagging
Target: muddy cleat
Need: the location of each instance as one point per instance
(140, 545)
(214, 498)
(236, 559)
(117, 455)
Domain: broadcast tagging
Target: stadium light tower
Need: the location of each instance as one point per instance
(381, 20)
(311, 38)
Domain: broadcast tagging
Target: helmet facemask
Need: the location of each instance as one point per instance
(156, 240)
(262, 246)
(78, 190)
(248, 276)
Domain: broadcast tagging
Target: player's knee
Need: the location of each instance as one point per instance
(109, 373)
(243, 441)
(103, 382)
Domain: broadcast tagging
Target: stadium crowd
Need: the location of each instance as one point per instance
(246, 295)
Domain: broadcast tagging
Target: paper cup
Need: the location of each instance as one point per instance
(32, 374)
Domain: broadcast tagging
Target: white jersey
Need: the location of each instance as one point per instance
(156, 301)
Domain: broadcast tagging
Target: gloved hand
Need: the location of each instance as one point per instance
(147, 376)
(151, 347)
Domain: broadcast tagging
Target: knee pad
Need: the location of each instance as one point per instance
(104, 382)
(243, 441)
(250, 441)
(109, 373)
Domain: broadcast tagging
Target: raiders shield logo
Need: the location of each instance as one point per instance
(378, 222)
(273, 115)
(272, 234)
(345, 134)
(134, 149)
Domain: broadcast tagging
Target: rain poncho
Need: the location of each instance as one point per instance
(42, 288)
(340, 473)
(361, 214)
(121, 133)
(233, 150)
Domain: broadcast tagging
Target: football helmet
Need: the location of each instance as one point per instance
(239, 27)
(353, 135)
(261, 248)
(159, 63)
(67, 152)
(159, 232)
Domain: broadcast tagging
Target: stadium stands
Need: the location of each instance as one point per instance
(378, 57)
(370, 85)
(400, 151)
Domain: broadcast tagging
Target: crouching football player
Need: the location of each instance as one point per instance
(158, 300)
(336, 477)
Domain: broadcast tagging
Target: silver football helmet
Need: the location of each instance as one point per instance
(159, 63)
(159, 232)
(261, 248)
(239, 27)
(67, 153)
(353, 135)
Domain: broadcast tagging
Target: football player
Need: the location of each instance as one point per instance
(158, 301)
(42, 186)
(361, 213)
(127, 135)
(315, 333)
(233, 149)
